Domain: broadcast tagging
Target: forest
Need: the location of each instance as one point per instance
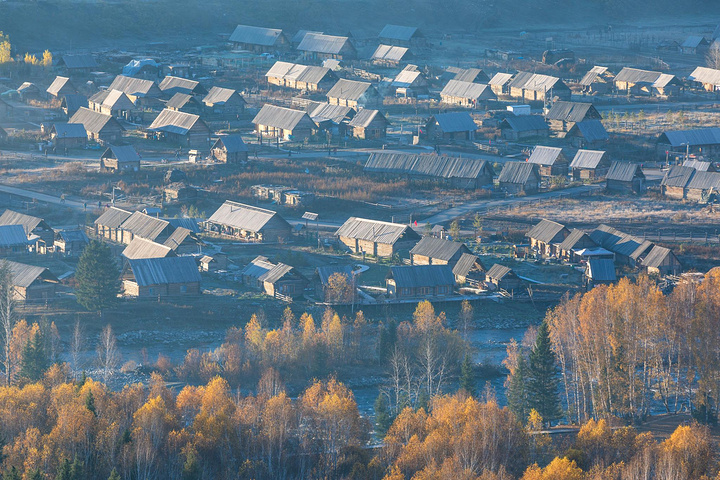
(599, 365)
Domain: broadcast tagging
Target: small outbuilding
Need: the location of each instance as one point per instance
(625, 177)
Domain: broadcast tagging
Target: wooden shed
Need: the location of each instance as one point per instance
(420, 281)
(224, 101)
(120, 158)
(589, 164)
(275, 279)
(99, 127)
(368, 124)
(469, 270)
(161, 277)
(500, 277)
(352, 93)
(451, 126)
(625, 177)
(577, 241)
(31, 283)
(662, 261)
(519, 178)
(523, 127)
(61, 86)
(436, 251)
(286, 123)
(230, 149)
(68, 135)
(70, 242)
(550, 161)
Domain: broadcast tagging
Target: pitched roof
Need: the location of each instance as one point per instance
(28, 222)
(517, 172)
(498, 272)
(178, 236)
(374, 230)
(365, 117)
(694, 137)
(297, 38)
(590, 130)
(58, 84)
(545, 231)
(143, 248)
(321, 43)
(524, 123)
(275, 273)
(257, 267)
(470, 90)
(547, 156)
(471, 75)
(12, 236)
(501, 79)
(113, 217)
(349, 89)
(243, 216)
(455, 122)
(427, 165)
(694, 41)
(656, 257)
(591, 76)
(678, 176)
(173, 121)
(231, 143)
(179, 100)
(324, 273)
(635, 75)
(572, 111)
(705, 75)
(389, 53)
(113, 99)
(220, 96)
(181, 85)
(574, 238)
(93, 122)
(398, 32)
(601, 270)
(70, 130)
(535, 82)
(80, 60)
(136, 87)
(183, 222)
(24, 275)
(705, 181)
(413, 276)
(255, 35)
(698, 165)
(624, 172)
(280, 117)
(122, 153)
(620, 243)
(407, 78)
(438, 248)
(167, 270)
(145, 226)
(587, 159)
(465, 263)
(72, 236)
(73, 102)
(336, 113)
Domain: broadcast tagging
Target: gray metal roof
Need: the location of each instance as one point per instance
(695, 137)
(398, 32)
(258, 267)
(179, 100)
(389, 53)
(246, 217)
(678, 176)
(375, 230)
(437, 248)
(470, 90)
(705, 181)
(635, 75)
(518, 172)
(113, 99)
(24, 275)
(427, 165)
(281, 117)
(465, 263)
(172, 121)
(498, 272)
(12, 236)
(122, 153)
(93, 122)
(299, 73)
(656, 256)
(365, 117)
(587, 159)
(572, 111)
(70, 130)
(574, 238)
(143, 248)
(161, 271)
(220, 96)
(171, 84)
(409, 78)
(275, 273)
(546, 231)
(145, 226)
(28, 222)
(601, 270)
(297, 38)
(471, 75)
(182, 222)
(335, 113)
(324, 273)
(58, 84)
(231, 143)
(698, 165)
(80, 60)
(547, 156)
(413, 276)
(620, 243)
(455, 122)
(624, 172)
(321, 43)
(590, 130)
(694, 41)
(255, 35)
(525, 123)
(501, 79)
(591, 76)
(705, 75)
(136, 87)
(68, 236)
(113, 217)
(74, 102)
(349, 89)
(536, 82)
(177, 237)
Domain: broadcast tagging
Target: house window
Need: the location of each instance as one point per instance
(405, 291)
(442, 290)
(424, 290)
(183, 288)
(151, 291)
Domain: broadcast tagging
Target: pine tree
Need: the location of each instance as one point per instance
(517, 396)
(191, 468)
(467, 376)
(63, 472)
(383, 419)
(114, 475)
(98, 278)
(90, 402)
(34, 358)
(543, 377)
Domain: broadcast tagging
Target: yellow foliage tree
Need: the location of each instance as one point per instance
(47, 59)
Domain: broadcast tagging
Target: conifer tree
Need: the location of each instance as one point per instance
(517, 396)
(98, 278)
(543, 377)
(467, 376)
(34, 358)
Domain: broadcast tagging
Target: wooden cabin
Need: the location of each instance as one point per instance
(31, 283)
(589, 165)
(550, 161)
(546, 237)
(633, 81)
(300, 77)
(248, 223)
(120, 158)
(524, 127)
(599, 271)
(531, 87)
(625, 177)
(500, 277)
(368, 124)
(111, 102)
(661, 261)
(436, 251)
(466, 94)
(60, 87)
(419, 281)
(519, 178)
(181, 128)
(318, 46)
(230, 149)
(352, 93)
(161, 277)
(108, 224)
(13, 241)
(376, 238)
(101, 128)
(576, 241)
(597, 81)
(68, 135)
(224, 101)
(469, 270)
(451, 126)
(562, 116)
(259, 39)
(37, 230)
(276, 280)
(398, 35)
(286, 123)
(70, 242)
